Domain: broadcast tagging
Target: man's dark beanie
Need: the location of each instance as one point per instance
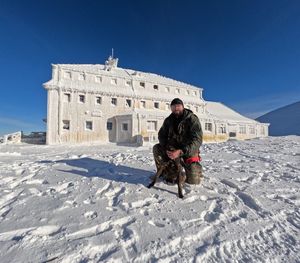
(176, 101)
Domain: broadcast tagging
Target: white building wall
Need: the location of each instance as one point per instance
(92, 81)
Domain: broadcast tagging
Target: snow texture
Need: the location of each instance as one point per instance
(89, 203)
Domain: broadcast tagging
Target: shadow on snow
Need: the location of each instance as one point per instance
(88, 167)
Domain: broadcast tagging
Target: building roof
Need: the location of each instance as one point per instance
(126, 73)
(127, 91)
(222, 112)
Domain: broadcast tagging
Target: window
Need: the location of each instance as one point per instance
(81, 76)
(177, 91)
(67, 97)
(167, 89)
(98, 79)
(143, 104)
(208, 126)
(155, 87)
(67, 74)
(98, 100)
(114, 81)
(66, 125)
(114, 101)
(195, 93)
(187, 92)
(251, 130)
(262, 130)
(89, 125)
(82, 98)
(124, 126)
(152, 125)
(196, 108)
(109, 125)
(156, 105)
(127, 82)
(128, 103)
(222, 129)
(167, 106)
(142, 84)
(242, 129)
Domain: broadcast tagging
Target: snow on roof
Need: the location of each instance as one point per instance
(126, 73)
(220, 111)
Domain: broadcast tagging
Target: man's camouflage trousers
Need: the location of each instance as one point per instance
(193, 171)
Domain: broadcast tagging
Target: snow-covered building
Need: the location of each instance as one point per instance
(89, 103)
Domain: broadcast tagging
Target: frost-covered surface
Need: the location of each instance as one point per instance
(89, 204)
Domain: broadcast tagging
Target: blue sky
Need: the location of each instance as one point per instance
(243, 53)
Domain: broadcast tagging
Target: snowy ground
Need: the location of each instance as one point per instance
(90, 204)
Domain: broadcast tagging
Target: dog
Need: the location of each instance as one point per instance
(180, 178)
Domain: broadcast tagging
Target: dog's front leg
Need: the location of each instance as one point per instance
(159, 172)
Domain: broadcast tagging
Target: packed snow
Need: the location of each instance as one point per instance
(90, 203)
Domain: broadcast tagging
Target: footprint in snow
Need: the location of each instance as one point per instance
(154, 223)
(90, 214)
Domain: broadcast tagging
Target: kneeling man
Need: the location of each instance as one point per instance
(180, 137)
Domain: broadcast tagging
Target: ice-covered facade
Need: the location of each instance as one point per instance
(89, 103)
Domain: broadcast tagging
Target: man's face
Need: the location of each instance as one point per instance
(177, 109)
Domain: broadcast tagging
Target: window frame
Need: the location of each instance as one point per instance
(111, 101)
(208, 124)
(155, 125)
(81, 76)
(96, 100)
(122, 126)
(242, 129)
(98, 79)
(68, 96)
(88, 129)
(114, 81)
(84, 98)
(109, 126)
(68, 123)
(143, 104)
(126, 103)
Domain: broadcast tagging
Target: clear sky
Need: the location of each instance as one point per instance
(244, 53)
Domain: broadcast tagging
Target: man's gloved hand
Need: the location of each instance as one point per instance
(174, 154)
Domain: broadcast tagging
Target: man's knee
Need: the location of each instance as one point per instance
(194, 173)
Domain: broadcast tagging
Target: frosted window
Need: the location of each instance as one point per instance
(98, 100)
(114, 101)
(81, 98)
(128, 103)
(89, 125)
(152, 125)
(66, 125)
(67, 97)
(109, 126)
(208, 126)
(125, 126)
